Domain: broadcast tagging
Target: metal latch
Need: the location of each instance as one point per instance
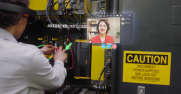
(141, 90)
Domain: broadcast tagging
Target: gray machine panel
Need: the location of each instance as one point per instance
(176, 15)
(176, 34)
(151, 18)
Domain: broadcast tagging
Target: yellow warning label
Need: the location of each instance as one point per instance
(147, 67)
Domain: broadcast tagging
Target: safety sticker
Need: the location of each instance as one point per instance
(147, 67)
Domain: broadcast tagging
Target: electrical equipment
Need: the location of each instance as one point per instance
(72, 4)
(80, 7)
(99, 58)
(60, 6)
(39, 5)
(72, 89)
(82, 59)
(101, 7)
(107, 72)
(51, 40)
(66, 22)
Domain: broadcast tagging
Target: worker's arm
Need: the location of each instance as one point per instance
(48, 49)
(41, 75)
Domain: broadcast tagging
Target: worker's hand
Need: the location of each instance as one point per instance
(48, 49)
(60, 54)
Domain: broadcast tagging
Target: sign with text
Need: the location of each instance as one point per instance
(147, 67)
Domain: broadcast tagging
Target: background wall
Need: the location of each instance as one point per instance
(114, 28)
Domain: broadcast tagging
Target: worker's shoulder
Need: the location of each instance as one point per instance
(28, 46)
(18, 53)
(24, 50)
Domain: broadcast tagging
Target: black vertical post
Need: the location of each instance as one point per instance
(115, 6)
(113, 71)
(120, 6)
(112, 6)
(109, 6)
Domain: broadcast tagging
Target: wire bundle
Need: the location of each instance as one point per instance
(43, 46)
(47, 14)
(88, 9)
(71, 51)
(101, 76)
(50, 8)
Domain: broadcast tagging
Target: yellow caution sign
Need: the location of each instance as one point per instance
(147, 67)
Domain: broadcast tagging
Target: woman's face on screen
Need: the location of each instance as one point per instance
(102, 27)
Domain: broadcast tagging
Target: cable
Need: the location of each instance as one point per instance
(71, 51)
(79, 4)
(60, 18)
(43, 46)
(50, 56)
(80, 18)
(67, 4)
(52, 13)
(88, 9)
(40, 46)
(71, 18)
(45, 23)
(79, 7)
(63, 9)
(55, 51)
(105, 80)
(76, 18)
(47, 12)
(100, 77)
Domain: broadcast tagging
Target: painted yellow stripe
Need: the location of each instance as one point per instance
(80, 40)
(81, 77)
(40, 38)
(54, 39)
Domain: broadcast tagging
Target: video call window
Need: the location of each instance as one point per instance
(104, 30)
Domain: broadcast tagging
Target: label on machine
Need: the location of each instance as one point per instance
(147, 67)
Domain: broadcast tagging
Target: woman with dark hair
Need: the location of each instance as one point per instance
(24, 68)
(103, 28)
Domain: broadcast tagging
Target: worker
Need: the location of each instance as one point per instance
(23, 68)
